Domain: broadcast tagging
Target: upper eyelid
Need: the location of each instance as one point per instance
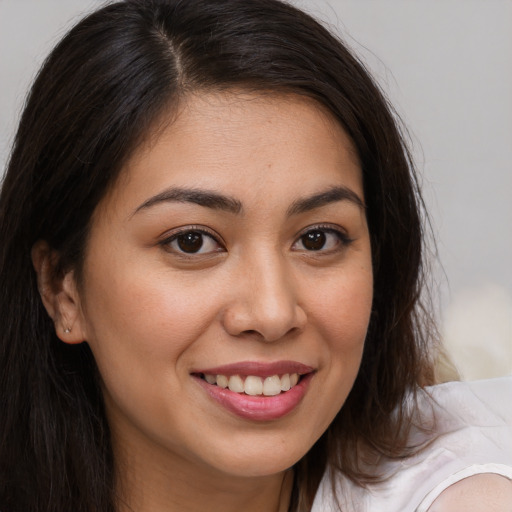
(173, 233)
(334, 228)
(167, 241)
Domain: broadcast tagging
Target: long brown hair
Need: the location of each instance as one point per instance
(94, 100)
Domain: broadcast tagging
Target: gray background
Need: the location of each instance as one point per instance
(447, 67)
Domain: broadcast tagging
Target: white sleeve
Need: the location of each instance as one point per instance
(467, 431)
(475, 419)
(472, 435)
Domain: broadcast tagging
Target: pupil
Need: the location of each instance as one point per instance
(190, 242)
(314, 240)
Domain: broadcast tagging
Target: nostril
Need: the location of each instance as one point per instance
(268, 336)
(264, 318)
(251, 332)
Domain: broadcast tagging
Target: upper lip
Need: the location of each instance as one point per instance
(257, 368)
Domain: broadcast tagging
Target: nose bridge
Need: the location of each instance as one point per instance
(266, 300)
(273, 294)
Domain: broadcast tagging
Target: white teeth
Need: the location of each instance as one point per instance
(272, 386)
(222, 381)
(285, 382)
(236, 384)
(253, 385)
(211, 379)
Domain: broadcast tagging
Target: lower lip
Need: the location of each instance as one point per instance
(258, 408)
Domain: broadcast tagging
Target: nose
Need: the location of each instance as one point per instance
(264, 303)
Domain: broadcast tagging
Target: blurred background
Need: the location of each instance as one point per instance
(446, 67)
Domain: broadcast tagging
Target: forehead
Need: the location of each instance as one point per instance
(240, 141)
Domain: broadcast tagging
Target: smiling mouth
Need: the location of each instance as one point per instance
(253, 385)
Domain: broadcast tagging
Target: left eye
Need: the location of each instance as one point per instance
(193, 242)
(319, 239)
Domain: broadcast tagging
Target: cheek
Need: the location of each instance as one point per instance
(140, 321)
(343, 307)
(341, 315)
(134, 297)
(142, 329)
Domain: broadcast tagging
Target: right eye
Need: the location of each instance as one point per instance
(193, 241)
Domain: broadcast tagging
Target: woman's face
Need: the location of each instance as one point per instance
(234, 250)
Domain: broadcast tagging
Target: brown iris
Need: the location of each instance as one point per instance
(190, 242)
(314, 240)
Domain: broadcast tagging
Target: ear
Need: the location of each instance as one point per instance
(59, 294)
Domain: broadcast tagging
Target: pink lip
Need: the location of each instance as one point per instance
(258, 408)
(258, 369)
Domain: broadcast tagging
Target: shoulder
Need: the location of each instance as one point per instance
(468, 465)
(463, 439)
(478, 493)
(465, 431)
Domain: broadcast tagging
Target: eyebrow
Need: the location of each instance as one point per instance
(200, 197)
(332, 195)
(216, 201)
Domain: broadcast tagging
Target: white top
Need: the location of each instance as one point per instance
(473, 436)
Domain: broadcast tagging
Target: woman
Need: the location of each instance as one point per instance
(211, 265)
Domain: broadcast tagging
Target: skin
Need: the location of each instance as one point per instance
(254, 292)
(152, 314)
(479, 493)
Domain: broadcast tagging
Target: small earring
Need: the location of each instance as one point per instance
(67, 330)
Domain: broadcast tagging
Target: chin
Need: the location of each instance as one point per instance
(261, 457)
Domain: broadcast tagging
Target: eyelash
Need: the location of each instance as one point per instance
(325, 229)
(200, 230)
(342, 238)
